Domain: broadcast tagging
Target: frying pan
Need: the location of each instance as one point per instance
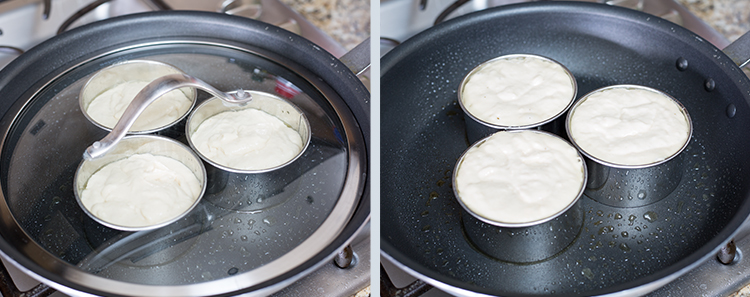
(620, 251)
(252, 235)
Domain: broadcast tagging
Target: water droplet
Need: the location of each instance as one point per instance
(425, 213)
(650, 216)
(624, 247)
(641, 194)
(233, 271)
(55, 201)
(631, 219)
(426, 228)
(587, 273)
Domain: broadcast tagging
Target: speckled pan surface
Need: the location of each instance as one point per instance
(619, 248)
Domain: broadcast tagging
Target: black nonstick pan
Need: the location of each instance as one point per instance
(620, 251)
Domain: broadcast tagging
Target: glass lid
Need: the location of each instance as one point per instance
(247, 230)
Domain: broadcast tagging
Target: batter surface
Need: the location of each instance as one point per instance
(629, 126)
(141, 190)
(517, 91)
(247, 139)
(107, 108)
(519, 176)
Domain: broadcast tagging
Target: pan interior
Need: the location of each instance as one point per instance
(619, 247)
(243, 223)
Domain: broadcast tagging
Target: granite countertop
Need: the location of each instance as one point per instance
(731, 18)
(346, 21)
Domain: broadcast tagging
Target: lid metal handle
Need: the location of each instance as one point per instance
(149, 94)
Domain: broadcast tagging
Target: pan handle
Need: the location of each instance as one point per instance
(739, 50)
(358, 59)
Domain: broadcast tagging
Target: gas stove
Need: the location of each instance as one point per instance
(26, 23)
(402, 19)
